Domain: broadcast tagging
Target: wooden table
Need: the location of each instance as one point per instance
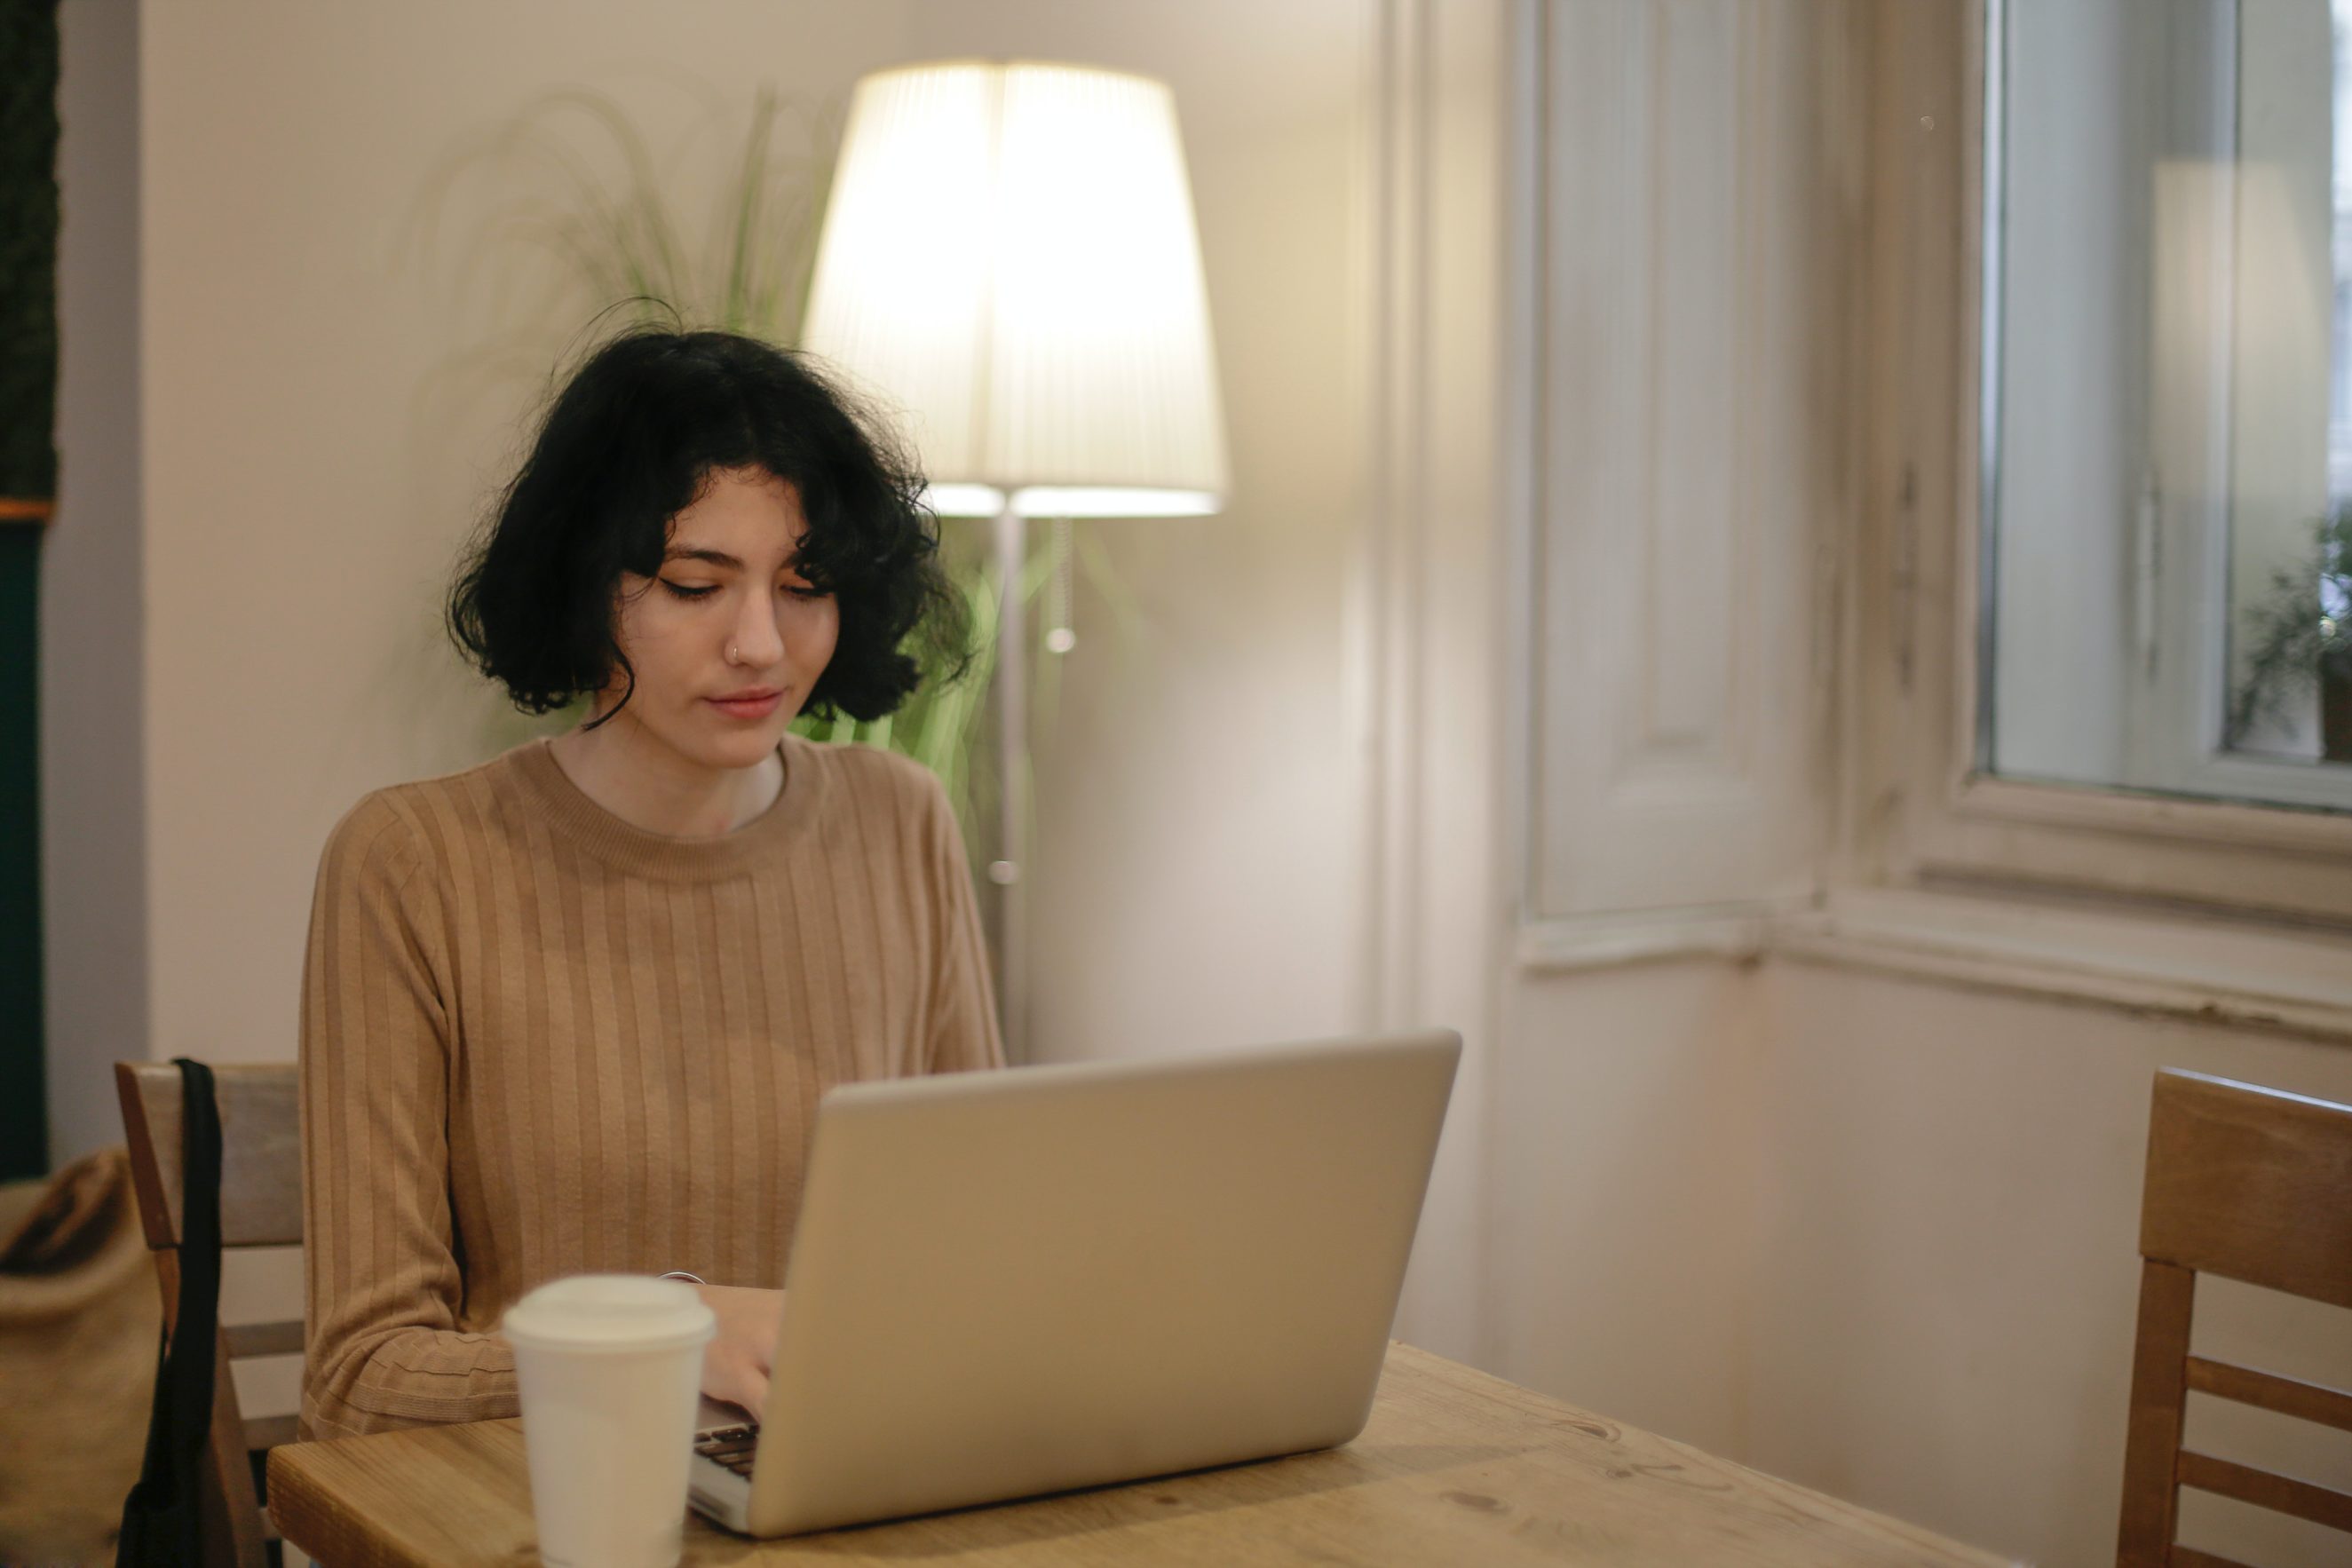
(1456, 1468)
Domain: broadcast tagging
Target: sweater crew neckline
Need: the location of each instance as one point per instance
(642, 852)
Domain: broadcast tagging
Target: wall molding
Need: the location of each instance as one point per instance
(1443, 123)
(2210, 971)
(1396, 536)
(1741, 932)
(2214, 969)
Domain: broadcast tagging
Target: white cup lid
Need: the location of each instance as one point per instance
(610, 1313)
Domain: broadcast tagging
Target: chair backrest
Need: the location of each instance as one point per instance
(262, 1205)
(2254, 1185)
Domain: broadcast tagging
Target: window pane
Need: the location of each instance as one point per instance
(2168, 480)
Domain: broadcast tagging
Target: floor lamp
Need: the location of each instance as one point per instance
(1009, 259)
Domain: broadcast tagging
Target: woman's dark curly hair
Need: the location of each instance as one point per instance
(627, 444)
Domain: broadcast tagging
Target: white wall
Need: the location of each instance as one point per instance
(1696, 209)
(1878, 1235)
(93, 697)
(1626, 1157)
(1949, 1270)
(316, 437)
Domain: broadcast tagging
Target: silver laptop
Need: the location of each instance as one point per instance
(1048, 1278)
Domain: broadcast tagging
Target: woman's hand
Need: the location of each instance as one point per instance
(736, 1363)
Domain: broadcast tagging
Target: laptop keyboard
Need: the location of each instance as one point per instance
(733, 1446)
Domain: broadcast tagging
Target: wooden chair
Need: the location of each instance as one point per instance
(2254, 1185)
(262, 1205)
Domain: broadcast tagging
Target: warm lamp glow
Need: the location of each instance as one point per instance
(1111, 501)
(963, 501)
(1010, 258)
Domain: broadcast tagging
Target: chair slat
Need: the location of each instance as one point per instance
(228, 1505)
(2167, 1297)
(261, 1151)
(269, 1431)
(263, 1339)
(2304, 1500)
(2288, 1395)
(2250, 1183)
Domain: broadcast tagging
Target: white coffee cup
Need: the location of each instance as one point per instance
(611, 1369)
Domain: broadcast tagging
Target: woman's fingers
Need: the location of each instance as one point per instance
(752, 1382)
(737, 1380)
(736, 1363)
(746, 1377)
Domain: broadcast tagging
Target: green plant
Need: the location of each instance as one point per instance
(2299, 635)
(583, 188)
(939, 725)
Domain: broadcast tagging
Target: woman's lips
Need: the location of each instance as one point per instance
(747, 708)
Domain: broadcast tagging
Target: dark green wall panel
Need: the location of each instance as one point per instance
(23, 1104)
(28, 384)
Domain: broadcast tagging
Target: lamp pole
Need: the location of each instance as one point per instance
(1011, 864)
(1057, 340)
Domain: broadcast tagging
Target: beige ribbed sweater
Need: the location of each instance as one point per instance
(539, 1041)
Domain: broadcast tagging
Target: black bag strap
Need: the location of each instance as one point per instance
(159, 1519)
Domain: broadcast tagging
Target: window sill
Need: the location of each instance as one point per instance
(1559, 945)
(2212, 969)
(2216, 969)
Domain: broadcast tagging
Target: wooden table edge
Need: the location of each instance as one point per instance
(308, 1514)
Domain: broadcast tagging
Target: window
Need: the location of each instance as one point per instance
(2166, 491)
(2099, 425)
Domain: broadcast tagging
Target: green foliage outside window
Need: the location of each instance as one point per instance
(2298, 635)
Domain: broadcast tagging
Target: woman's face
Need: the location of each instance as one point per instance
(728, 639)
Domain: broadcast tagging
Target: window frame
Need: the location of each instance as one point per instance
(1917, 811)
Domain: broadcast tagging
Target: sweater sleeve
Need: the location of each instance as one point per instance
(964, 1034)
(383, 1283)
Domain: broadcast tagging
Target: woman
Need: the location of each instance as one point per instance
(572, 1010)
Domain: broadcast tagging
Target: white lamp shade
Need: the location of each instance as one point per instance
(1010, 259)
